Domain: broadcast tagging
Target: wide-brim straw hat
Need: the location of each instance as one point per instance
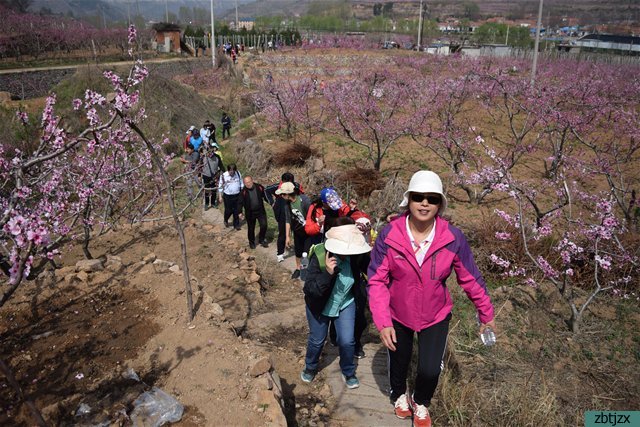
(425, 182)
(346, 240)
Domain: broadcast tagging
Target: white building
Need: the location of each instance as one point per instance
(621, 45)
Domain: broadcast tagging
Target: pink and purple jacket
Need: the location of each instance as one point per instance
(414, 295)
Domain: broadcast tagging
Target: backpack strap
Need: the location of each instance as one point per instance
(321, 253)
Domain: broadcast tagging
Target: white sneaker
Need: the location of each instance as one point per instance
(280, 258)
(401, 407)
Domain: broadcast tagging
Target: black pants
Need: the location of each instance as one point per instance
(298, 243)
(282, 236)
(261, 217)
(231, 207)
(431, 345)
(210, 190)
(226, 129)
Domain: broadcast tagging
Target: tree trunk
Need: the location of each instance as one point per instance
(183, 242)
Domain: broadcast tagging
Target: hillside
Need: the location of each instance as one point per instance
(587, 11)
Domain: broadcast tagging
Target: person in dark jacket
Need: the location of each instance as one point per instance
(279, 204)
(251, 200)
(226, 125)
(329, 296)
(297, 205)
(211, 168)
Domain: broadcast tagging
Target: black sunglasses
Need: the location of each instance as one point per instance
(431, 198)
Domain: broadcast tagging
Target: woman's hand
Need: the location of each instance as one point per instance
(491, 324)
(388, 337)
(287, 242)
(330, 263)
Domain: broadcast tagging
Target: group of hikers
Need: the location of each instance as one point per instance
(400, 275)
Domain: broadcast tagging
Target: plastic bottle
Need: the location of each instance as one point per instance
(304, 263)
(488, 337)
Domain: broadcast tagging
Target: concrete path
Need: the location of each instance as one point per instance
(367, 405)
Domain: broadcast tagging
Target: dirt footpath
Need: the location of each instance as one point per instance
(70, 335)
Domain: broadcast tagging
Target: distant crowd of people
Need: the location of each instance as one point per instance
(400, 275)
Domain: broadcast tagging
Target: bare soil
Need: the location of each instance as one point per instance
(69, 342)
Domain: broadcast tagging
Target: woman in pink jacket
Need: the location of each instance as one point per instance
(412, 258)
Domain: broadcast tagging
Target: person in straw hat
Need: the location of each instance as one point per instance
(411, 260)
(329, 296)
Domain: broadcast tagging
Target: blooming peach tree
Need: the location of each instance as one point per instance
(69, 185)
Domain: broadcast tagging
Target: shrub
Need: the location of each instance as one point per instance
(361, 181)
(295, 154)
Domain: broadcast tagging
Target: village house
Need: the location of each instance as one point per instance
(166, 37)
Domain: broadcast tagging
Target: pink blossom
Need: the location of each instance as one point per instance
(23, 117)
(604, 262)
(499, 261)
(133, 34)
(546, 268)
(503, 236)
(505, 216)
(13, 226)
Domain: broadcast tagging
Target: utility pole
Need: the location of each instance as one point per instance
(166, 11)
(420, 27)
(213, 39)
(536, 45)
(237, 22)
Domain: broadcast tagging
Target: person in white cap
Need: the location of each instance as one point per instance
(329, 296)
(296, 206)
(411, 260)
(188, 138)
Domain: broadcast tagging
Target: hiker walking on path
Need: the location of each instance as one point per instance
(229, 188)
(187, 139)
(226, 125)
(328, 205)
(211, 168)
(196, 139)
(279, 205)
(328, 295)
(251, 200)
(297, 205)
(411, 260)
(192, 160)
(205, 133)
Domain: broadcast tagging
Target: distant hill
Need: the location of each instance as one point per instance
(117, 10)
(585, 11)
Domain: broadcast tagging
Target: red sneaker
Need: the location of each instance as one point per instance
(402, 408)
(421, 417)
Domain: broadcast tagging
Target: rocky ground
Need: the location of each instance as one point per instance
(72, 336)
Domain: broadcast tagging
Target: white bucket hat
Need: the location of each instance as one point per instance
(346, 240)
(286, 188)
(425, 182)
